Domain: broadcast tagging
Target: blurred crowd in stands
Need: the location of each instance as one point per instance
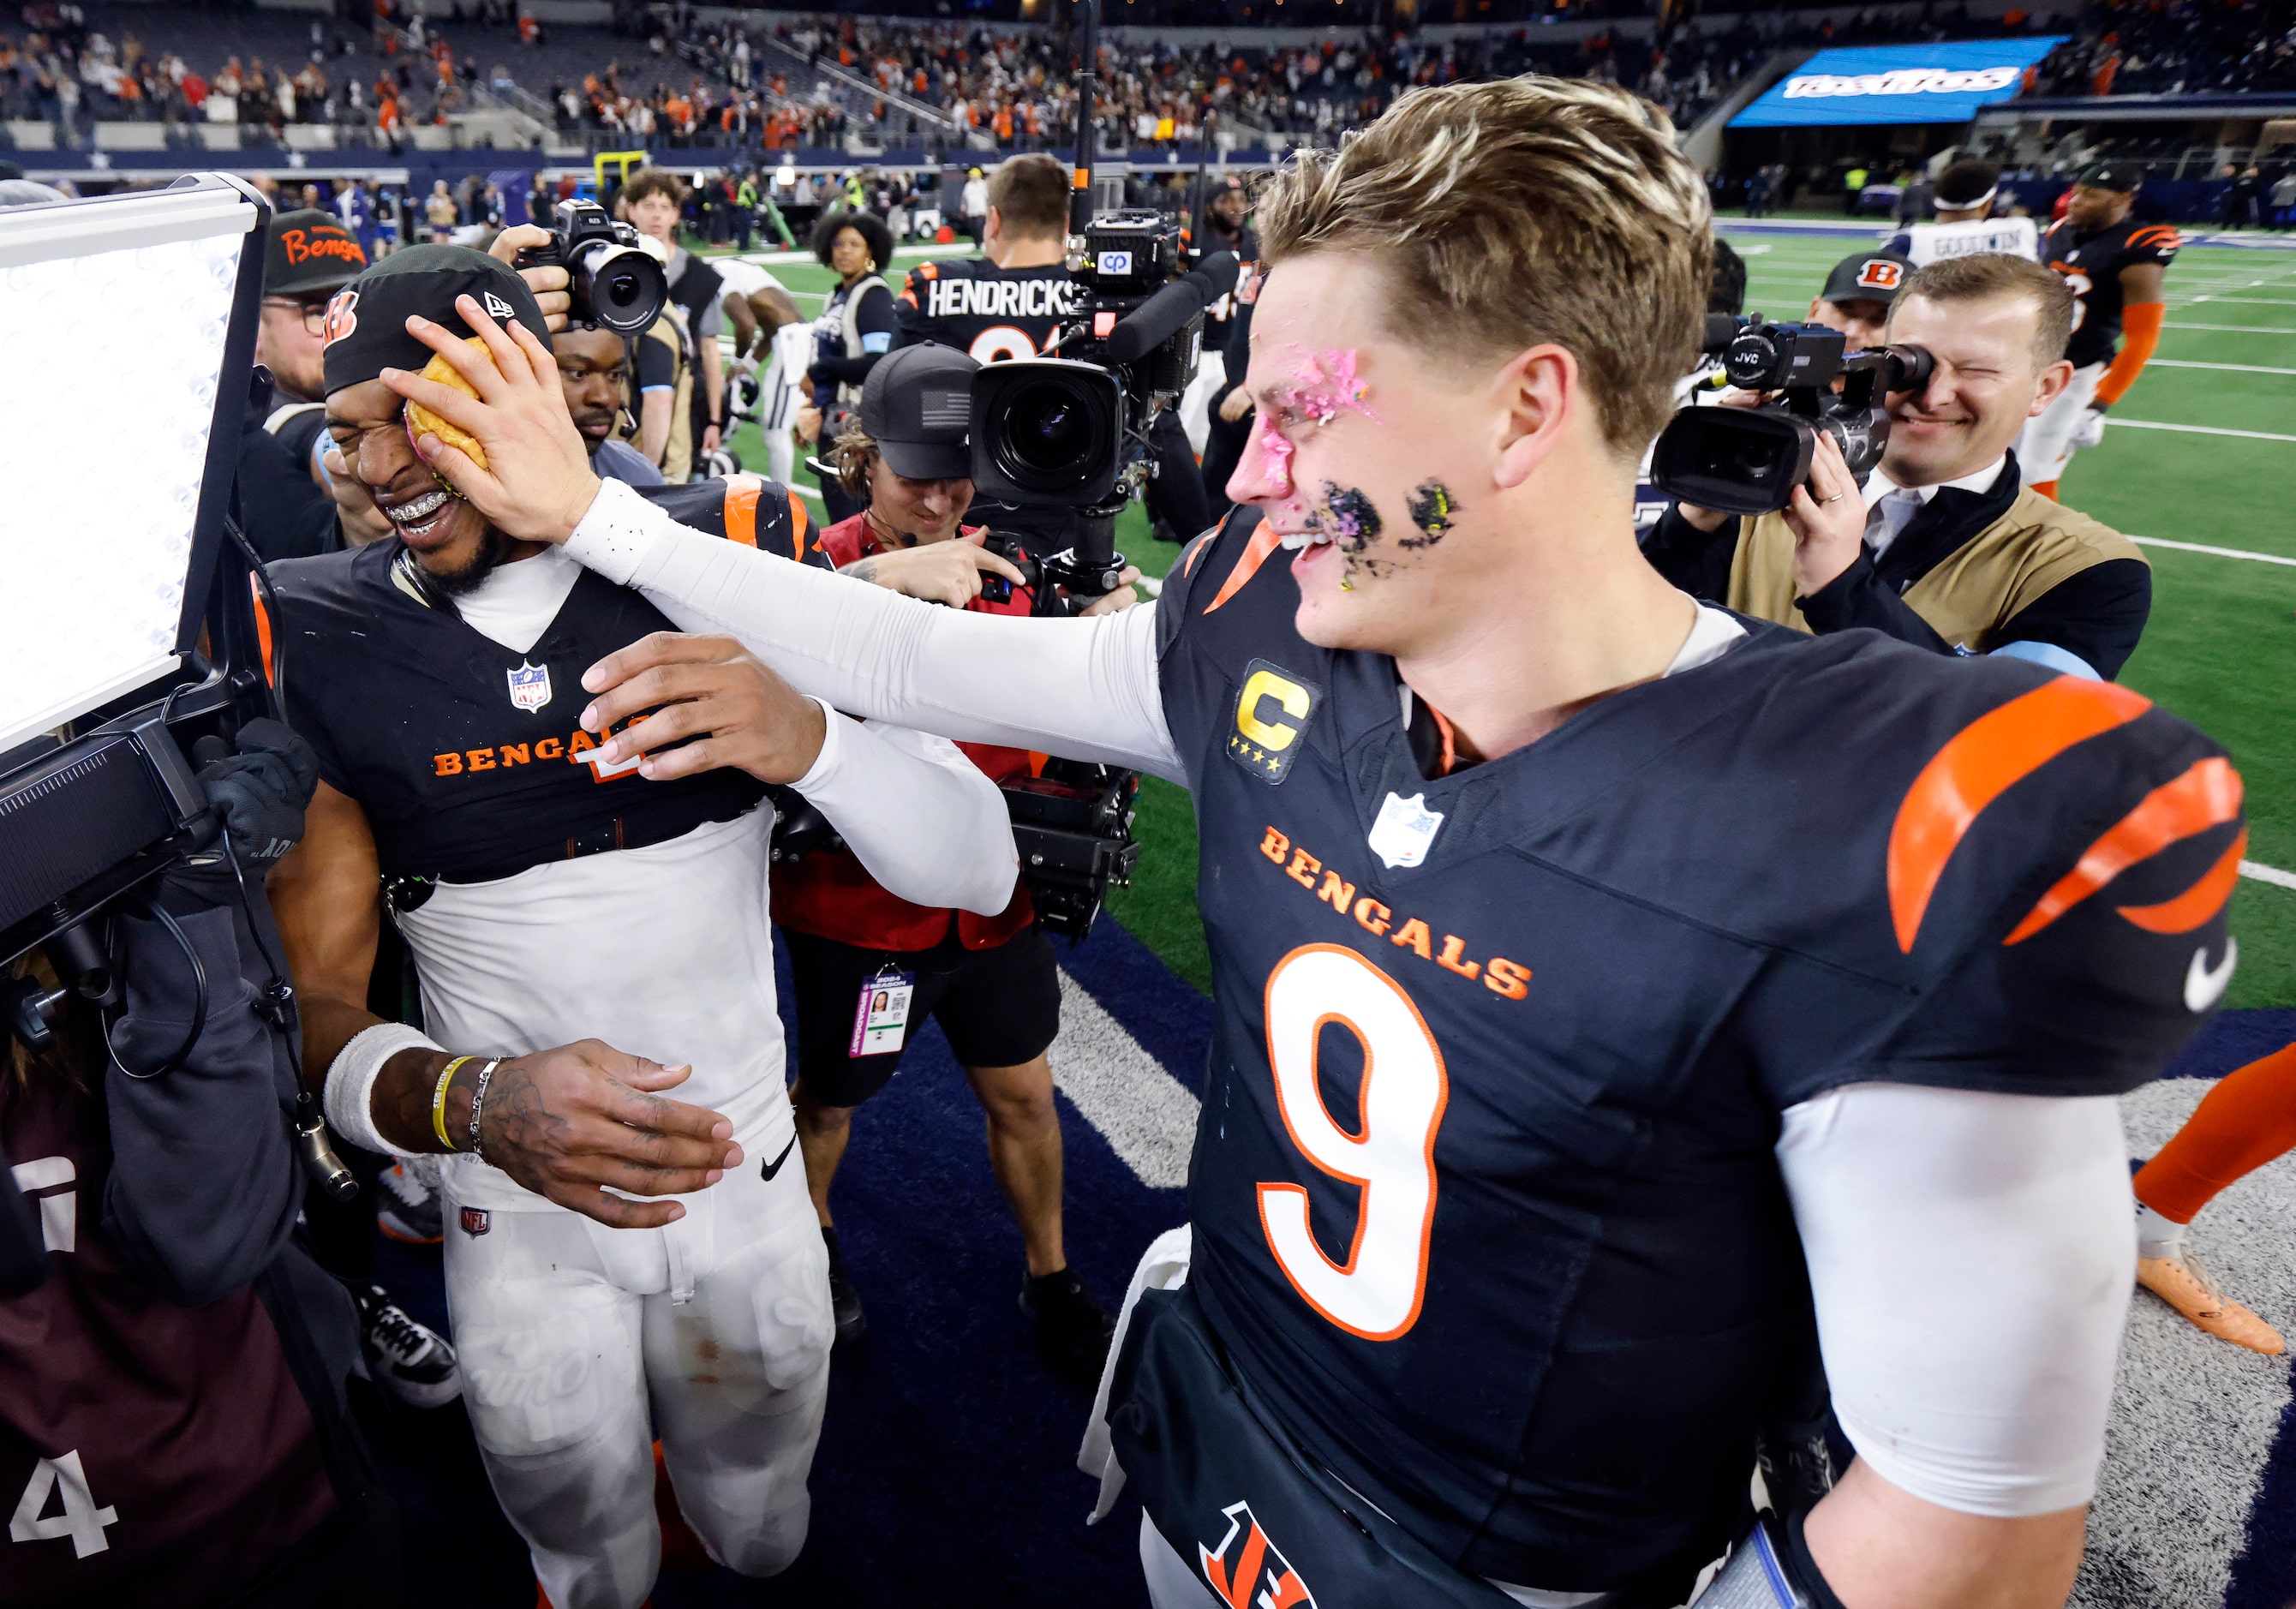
(832, 81)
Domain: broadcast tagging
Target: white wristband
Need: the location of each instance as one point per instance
(350, 1094)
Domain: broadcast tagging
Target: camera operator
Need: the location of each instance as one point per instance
(172, 1399)
(287, 506)
(1942, 548)
(655, 203)
(1013, 305)
(594, 366)
(545, 899)
(990, 980)
(856, 329)
(1685, 1117)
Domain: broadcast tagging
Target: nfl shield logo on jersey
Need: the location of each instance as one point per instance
(529, 686)
(1404, 830)
(476, 1222)
(1246, 1570)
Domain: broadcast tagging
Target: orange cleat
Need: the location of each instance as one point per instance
(2186, 1285)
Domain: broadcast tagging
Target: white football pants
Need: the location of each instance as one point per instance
(2046, 446)
(581, 1344)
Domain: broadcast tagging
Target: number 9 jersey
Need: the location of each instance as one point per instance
(1487, 1214)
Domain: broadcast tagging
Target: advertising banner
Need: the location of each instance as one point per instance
(1896, 84)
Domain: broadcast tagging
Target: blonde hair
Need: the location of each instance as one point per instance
(1518, 212)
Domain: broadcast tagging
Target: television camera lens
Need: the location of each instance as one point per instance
(1049, 431)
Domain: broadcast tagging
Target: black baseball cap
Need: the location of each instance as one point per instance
(1867, 276)
(367, 321)
(310, 250)
(915, 405)
(2111, 176)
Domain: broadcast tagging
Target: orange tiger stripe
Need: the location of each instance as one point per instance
(799, 523)
(262, 629)
(1195, 551)
(1983, 761)
(1264, 541)
(2197, 904)
(2207, 795)
(741, 509)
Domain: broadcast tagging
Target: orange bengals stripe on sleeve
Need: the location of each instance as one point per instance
(2197, 904)
(2207, 795)
(798, 523)
(1981, 762)
(262, 630)
(1264, 541)
(741, 509)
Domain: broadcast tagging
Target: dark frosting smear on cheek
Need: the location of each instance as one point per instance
(1346, 514)
(1433, 510)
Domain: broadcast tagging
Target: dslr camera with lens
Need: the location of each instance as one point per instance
(1748, 461)
(616, 285)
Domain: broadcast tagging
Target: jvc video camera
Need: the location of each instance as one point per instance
(1748, 461)
(616, 285)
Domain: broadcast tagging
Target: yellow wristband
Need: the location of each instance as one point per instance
(438, 1101)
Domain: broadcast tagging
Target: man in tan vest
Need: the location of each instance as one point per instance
(1942, 547)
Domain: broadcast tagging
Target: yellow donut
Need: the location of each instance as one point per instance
(422, 421)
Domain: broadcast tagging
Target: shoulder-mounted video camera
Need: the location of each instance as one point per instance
(1748, 461)
(616, 285)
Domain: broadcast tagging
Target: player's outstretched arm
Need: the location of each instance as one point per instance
(1971, 1259)
(563, 1123)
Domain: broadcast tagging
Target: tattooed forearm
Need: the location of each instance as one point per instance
(862, 569)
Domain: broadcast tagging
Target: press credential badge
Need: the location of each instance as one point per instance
(880, 1020)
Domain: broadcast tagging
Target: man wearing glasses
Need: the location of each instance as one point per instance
(284, 500)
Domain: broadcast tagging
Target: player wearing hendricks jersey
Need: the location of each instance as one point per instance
(1599, 980)
(1013, 301)
(547, 896)
(2118, 268)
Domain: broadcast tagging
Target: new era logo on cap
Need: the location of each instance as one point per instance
(496, 306)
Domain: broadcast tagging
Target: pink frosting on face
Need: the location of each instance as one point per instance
(1324, 386)
(1266, 460)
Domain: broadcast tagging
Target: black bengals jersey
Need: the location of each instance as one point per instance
(2092, 265)
(993, 313)
(470, 759)
(1484, 1205)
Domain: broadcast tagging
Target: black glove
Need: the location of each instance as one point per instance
(260, 792)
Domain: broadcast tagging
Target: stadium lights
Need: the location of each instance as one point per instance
(128, 335)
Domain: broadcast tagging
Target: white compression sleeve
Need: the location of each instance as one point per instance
(1083, 688)
(927, 823)
(1971, 1256)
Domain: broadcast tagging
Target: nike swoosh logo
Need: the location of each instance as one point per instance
(2205, 985)
(766, 1170)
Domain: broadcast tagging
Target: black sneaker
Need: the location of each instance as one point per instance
(1071, 1324)
(408, 1208)
(411, 1360)
(844, 1300)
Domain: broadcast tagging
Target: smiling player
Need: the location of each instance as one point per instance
(1601, 982)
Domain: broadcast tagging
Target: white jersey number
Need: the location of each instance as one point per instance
(1000, 344)
(82, 1521)
(1377, 1293)
(2081, 284)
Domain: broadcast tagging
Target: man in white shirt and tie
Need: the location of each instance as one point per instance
(1941, 548)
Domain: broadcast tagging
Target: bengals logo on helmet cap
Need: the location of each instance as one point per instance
(1880, 273)
(342, 317)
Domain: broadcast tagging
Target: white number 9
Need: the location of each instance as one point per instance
(1377, 1293)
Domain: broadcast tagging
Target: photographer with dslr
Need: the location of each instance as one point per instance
(1941, 548)
(172, 1397)
(990, 980)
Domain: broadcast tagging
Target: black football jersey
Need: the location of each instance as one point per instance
(2092, 265)
(1486, 1208)
(993, 313)
(470, 759)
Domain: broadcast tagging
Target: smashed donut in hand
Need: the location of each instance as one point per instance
(422, 421)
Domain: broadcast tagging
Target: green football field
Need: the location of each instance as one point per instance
(2198, 457)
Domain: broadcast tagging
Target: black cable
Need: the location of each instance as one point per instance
(277, 669)
(199, 1008)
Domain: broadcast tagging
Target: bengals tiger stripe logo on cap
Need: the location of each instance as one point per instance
(342, 317)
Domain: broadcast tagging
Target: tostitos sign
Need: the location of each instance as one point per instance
(1898, 84)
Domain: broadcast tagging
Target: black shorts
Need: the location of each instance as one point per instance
(999, 1007)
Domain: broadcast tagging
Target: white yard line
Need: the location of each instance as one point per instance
(2232, 368)
(2237, 329)
(2195, 429)
(2221, 552)
(2267, 873)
